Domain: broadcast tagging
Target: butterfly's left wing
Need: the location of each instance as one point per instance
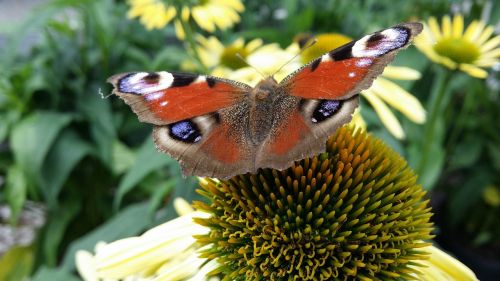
(198, 119)
(324, 93)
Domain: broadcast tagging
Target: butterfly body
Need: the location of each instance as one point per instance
(217, 127)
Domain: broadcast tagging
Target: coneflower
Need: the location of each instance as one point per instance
(354, 211)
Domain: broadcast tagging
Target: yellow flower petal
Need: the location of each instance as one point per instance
(385, 114)
(477, 31)
(234, 4)
(458, 26)
(185, 13)
(220, 16)
(451, 268)
(491, 44)
(491, 54)
(203, 19)
(471, 30)
(434, 27)
(486, 62)
(446, 26)
(487, 32)
(473, 71)
(357, 120)
(400, 99)
(401, 73)
(138, 254)
(169, 15)
(254, 45)
(182, 207)
(179, 30)
(85, 265)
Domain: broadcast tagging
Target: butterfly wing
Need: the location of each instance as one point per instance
(347, 70)
(198, 119)
(165, 97)
(324, 94)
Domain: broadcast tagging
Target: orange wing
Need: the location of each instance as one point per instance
(163, 97)
(347, 70)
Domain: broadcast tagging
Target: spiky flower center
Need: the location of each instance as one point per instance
(458, 50)
(352, 212)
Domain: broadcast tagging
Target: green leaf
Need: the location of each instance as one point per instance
(98, 112)
(123, 157)
(15, 190)
(16, 264)
(463, 198)
(432, 169)
(148, 160)
(160, 191)
(55, 229)
(130, 221)
(66, 152)
(466, 153)
(494, 153)
(32, 138)
(53, 274)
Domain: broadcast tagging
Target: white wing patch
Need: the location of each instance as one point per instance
(139, 84)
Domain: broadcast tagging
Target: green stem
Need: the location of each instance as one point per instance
(436, 104)
(192, 44)
(460, 119)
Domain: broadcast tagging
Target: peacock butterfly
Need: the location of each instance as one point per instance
(219, 128)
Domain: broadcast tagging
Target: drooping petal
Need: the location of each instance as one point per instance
(448, 267)
(491, 44)
(386, 116)
(400, 99)
(401, 73)
(473, 71)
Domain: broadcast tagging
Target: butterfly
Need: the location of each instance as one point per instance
(219, 128)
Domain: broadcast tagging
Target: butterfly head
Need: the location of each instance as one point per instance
(264, 91)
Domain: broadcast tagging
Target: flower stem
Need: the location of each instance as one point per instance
(192, 44)
(458, 125)
(430, 138)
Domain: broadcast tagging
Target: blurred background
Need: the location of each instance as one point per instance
(77, 167)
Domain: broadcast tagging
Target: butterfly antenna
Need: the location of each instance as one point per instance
(102, 94)
(247, 63)
(307, 46)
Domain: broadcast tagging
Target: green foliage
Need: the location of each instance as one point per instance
(84, 155)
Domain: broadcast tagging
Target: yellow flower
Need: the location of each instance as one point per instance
(145, 257)
(224, 61)
(383, 92)
(166, 252)
(152, 13)
(208, 14)
(468, 51)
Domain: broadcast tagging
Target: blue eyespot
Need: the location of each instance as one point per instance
(185, 131)
(325, 109)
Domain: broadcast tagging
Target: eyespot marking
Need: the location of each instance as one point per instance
(185, 131)
(325, 109)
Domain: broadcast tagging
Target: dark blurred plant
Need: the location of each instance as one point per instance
(62, 143)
